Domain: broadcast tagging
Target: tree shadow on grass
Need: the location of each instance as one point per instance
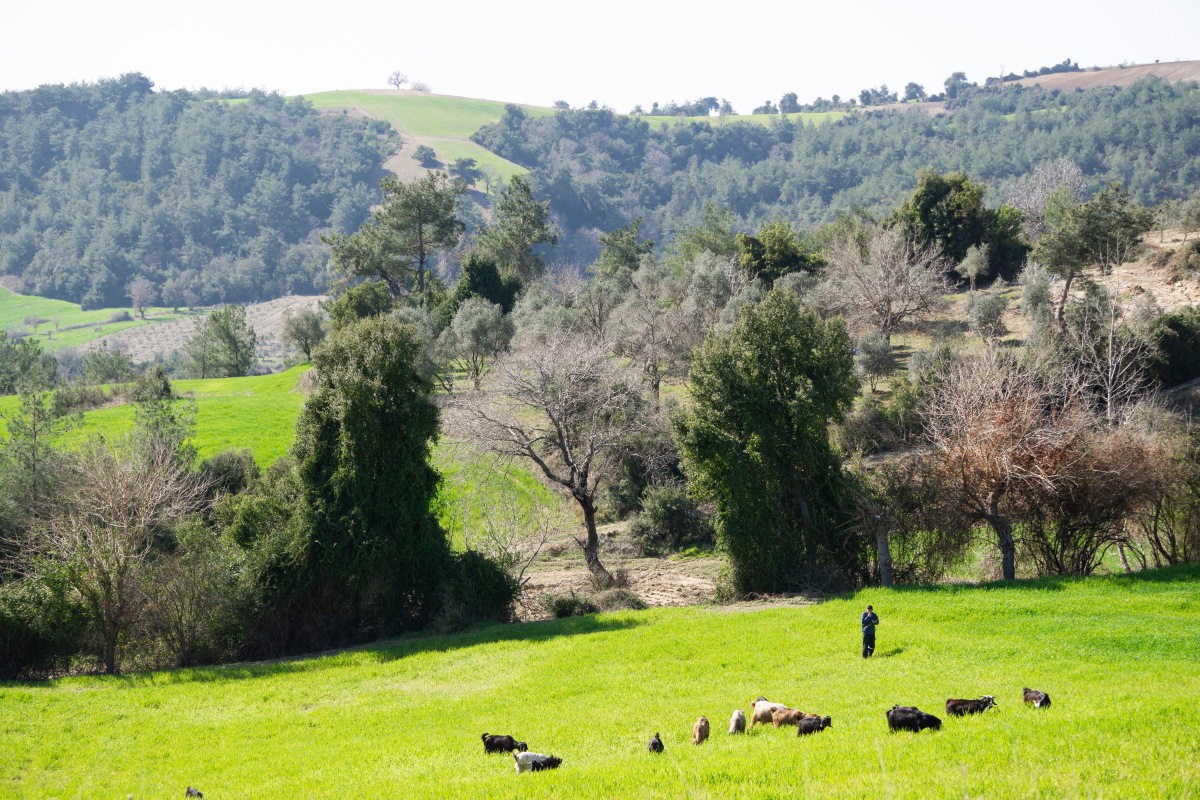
(895, 651)
(1182, 573)
(382, 652)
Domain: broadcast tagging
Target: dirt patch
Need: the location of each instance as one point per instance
(1172, 72)
(145, 342)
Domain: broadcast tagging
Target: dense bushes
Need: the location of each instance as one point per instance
(669, 520)
(41, 628)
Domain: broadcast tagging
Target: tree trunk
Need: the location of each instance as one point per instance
(885, 552)
(1003, 529)
(1124, 560)
(1062, 303)
(591, 545)
(110, 652)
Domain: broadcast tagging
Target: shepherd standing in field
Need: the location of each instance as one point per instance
(869, 620)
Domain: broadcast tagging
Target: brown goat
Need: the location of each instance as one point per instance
(700, 731)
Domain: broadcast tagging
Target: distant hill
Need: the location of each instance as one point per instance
(1172, 72)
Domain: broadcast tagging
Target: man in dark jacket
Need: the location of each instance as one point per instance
(869, 620)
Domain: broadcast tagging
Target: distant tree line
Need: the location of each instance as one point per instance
(203, 197)
(600, 169)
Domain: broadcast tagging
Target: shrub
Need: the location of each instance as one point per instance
(985, 315)
(476, 589)
(562, 606)
(670, 518)
(618, 600)
(230, 471)
(120, 316)
(72, 397)
(40, 628)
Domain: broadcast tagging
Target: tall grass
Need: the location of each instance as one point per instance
(1119, 657)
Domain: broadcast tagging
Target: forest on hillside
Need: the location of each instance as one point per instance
(210, 198)
(600, 169)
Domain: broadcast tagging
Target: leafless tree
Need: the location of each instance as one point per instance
(102, 533)
(1031, 192)
(141, 293)
(569, 408)
(1113, 359)
(397, 79)
(999, 432)
(878, 279)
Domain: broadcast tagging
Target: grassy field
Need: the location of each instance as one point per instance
(16, 308)
(258, 412)
(1118, 655)
(444, 123)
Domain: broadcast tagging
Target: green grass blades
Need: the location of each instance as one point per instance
(1118, 655)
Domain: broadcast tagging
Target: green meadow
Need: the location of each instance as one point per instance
(15, 309)
(446, 123)
(1119, 657)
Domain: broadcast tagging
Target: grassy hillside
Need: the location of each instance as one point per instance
(15, 309)
(257, 412)
(444, 123)
(1118, 656)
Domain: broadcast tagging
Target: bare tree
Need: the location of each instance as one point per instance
(565, 405)
(1033, 190)
(878, 279)
(141, 293)
(397, 79)
(653, 329)
(999, 432)
(1113, 359)
(103, 531)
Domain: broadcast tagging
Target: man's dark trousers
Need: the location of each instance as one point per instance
(869, 643)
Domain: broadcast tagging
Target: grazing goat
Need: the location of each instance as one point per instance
(737, 723)
(493, 743)
(762, 710)
(787, 716)
(960, 708)
(700, 731)
(656, 745)
(535, 762)
(910, 718)
(192, 792)
(813, 724)
(1039, 699)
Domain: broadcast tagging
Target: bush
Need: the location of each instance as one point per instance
(230, 471)
(1187, 258)
(70, 398)
(1178, 339)
(562, 606)
(670, 518)
(985, 315)
(120, 316)
(619, 600)
(40, 628)
(476, 589)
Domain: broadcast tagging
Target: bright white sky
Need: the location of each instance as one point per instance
(618, 52)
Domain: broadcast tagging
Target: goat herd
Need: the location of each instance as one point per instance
(900, 718)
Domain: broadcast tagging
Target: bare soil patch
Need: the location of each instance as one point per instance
(1172, 72)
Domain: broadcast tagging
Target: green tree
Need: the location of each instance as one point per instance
(478, 334)
(755, 439)
(33, 430)
(104, 364)
(425, 155)
(396, 245)
(223, 344)
(304, 331)
(367, 553)
(876, 359)
(621, 252)
(1103, 232)
(162, 419)
(480, 278)
(369, 299)
(914, 91)
(520, 224)
(23, 364)
(715, 234)
(776, 251)
(974, 264)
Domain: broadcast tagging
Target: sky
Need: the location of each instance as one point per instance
(619, 53)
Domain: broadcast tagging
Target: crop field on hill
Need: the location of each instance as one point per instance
(444, 123)
(1118, 656)
(15, 309)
